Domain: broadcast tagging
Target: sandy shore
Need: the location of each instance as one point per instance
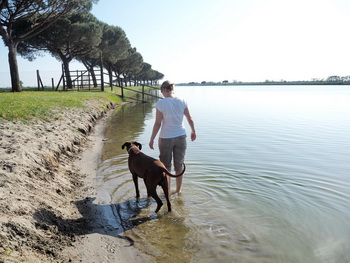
(47, 189)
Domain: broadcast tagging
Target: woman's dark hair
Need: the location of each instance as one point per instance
(168, 85)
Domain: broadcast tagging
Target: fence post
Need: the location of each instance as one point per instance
(81, 80)
(143, 93)
(63, 78)
(89, 76)
(37, 78)
(102, 77)
(40, 83)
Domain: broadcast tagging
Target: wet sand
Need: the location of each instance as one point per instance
(103, 243)
(47, 189)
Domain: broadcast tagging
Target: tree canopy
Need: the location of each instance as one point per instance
(67, 30)
(23, 19)
(68, 38)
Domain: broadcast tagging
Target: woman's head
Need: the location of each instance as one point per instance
(167, 86)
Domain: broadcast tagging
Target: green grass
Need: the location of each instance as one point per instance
(31, 103)
(27, 105)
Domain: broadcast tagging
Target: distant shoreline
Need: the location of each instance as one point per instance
(266, 83)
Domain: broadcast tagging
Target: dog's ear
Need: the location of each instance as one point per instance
(127, 144)
(138, 145)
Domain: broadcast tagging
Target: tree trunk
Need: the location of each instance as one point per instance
(67, 72)
(12, 56)
(125, 80)
(90, 68)
(110, 75)
(118, 83)
(93, 75)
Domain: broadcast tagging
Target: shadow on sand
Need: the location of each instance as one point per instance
(113, 220)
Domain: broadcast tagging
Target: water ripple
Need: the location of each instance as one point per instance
(266, 180)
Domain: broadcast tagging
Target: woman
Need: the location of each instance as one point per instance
(172, 138)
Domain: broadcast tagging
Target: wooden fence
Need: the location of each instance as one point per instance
(153, 93)
(82, 80)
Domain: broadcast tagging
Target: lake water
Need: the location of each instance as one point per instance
(267, 180)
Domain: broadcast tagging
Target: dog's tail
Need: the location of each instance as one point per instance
(173, 175)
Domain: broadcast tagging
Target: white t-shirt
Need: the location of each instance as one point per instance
(173, 114)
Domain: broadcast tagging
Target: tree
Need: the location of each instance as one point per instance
(156, 76)
(133, 66)
(144, 73)
(23, 19)
(67, 38)
(129, 66)
(114, 47)
(147, 74)
(333, 79)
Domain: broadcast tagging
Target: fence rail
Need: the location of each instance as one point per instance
(83, 80)
(143, 93)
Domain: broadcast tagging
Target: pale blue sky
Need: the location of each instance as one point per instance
(216, 40)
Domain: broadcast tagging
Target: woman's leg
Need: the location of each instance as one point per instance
(179, 159)
(178, 183)
(165, 156)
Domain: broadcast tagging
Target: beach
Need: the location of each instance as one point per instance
(47, 182)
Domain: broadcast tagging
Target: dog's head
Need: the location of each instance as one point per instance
(129, 145)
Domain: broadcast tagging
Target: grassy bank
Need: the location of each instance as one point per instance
(42, 104)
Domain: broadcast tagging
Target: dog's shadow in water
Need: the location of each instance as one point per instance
(105, 219)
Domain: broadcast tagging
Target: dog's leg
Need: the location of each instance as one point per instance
(136, 183)
(153, 193)
(147, 188)
(164, 184)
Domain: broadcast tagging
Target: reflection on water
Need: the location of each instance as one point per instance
(266, 181)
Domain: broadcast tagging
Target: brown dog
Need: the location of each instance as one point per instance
(151, 170)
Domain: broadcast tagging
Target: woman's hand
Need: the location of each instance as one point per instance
(193, 136)
(151, 142)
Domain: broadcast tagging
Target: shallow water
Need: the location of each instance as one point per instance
(267, 179)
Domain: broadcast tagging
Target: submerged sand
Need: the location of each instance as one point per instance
(47, 184)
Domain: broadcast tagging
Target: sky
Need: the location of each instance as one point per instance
(217, 40)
